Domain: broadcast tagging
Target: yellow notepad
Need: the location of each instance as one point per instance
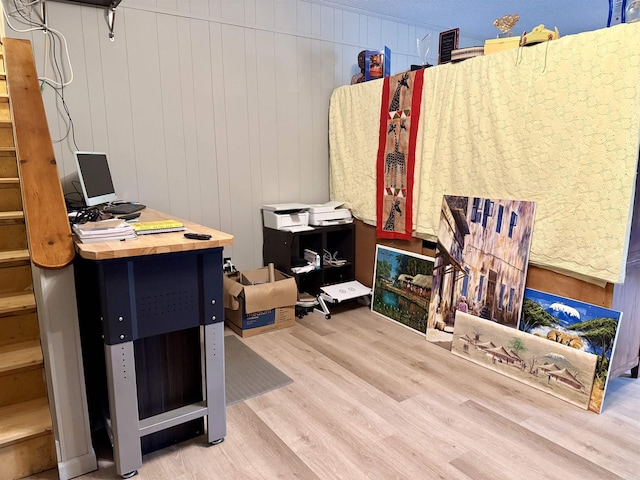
(160, 226)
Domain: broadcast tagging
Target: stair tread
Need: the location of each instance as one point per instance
(20, 356)
(24, 420)
(9, 180)
(17, 303)
(9, 256)
(12, 215)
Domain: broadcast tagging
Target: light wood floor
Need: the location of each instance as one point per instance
(372, 399)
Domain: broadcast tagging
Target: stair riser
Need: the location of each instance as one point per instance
(18, 328)
(6, 136)
(27, 458)
(8, 166)
(22, 387)
(10, 199)
(5, 113)
(13, 237)
(16, 279)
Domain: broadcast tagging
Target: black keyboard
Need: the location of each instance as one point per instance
(124, 208)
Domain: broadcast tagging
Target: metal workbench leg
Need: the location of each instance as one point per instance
(123, 408)
(215, 387)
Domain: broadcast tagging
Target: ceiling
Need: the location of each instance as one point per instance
(475, 17)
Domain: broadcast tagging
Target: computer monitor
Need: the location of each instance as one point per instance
(95, 178)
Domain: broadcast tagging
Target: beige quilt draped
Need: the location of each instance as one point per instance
(557, 123)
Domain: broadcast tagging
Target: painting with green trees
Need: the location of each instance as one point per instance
(556, 369)
(580, 325)
(402, 287)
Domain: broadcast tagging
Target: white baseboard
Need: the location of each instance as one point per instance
(77, 466)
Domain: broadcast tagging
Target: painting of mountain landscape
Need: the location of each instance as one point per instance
(581, 326)
(552, 367)
(402, 287)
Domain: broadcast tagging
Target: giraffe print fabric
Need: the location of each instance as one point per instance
(399, 117)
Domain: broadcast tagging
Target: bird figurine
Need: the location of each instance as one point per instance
(506, 23)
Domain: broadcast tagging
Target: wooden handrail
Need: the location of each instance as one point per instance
(45, 213)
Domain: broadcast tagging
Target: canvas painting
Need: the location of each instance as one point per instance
(481, 262)
(402, 287)
(557, 369)
(582, 326)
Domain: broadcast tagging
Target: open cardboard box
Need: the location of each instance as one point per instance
(253, 305)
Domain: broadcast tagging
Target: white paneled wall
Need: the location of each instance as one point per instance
(209, 109)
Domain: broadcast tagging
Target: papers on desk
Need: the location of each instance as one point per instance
(159, 226)
(104, 231)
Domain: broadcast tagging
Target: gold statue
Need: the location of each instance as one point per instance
(506, 23)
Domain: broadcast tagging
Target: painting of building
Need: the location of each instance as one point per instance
(557, 369)
(579, 325)
(481, 262)
(402, 287)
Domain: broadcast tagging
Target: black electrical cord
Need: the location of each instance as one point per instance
(69, 124)
(89, 214)
(55, 41)
(73, 204)
(27, 20)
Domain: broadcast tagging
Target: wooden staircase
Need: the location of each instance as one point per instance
(26, 437)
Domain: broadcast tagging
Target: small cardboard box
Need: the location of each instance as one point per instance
(495, 45)
(284, 318)
(254, 305)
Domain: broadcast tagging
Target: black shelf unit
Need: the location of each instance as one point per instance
(280, 247)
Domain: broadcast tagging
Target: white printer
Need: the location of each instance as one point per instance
(329, 214)
(293, 217)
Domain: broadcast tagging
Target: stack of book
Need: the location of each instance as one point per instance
(104, 231)
(160, 226)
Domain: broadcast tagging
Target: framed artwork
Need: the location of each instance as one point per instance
(557, 369)
(447, 43)
(481, 262)
(377, 64)
(402, 287)
(581, 326)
